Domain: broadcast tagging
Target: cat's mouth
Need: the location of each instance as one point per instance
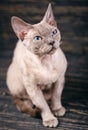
(53, 49)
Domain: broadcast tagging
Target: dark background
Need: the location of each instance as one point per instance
(72, 20)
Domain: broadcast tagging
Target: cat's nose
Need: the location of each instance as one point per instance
(52, 43)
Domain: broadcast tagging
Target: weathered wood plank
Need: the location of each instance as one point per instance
(22, 121)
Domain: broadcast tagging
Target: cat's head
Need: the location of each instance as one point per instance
(42, 38)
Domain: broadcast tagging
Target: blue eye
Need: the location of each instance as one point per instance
(54, 32)
(38, 38)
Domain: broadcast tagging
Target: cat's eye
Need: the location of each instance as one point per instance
(54, 32)
(37, 38)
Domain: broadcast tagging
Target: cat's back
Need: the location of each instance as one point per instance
(19, 51)
(13, 70)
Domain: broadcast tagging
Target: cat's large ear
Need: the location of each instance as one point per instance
(20, 27)
(49, 16)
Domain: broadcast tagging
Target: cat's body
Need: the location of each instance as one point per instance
(37, 71)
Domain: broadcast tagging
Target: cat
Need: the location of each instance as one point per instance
(37, 72)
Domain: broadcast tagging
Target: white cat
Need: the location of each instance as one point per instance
(37, 71)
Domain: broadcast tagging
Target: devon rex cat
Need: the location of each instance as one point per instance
(37, 72)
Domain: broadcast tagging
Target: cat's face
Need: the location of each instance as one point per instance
(42, 38)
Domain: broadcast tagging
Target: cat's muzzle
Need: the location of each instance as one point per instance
(52, 51)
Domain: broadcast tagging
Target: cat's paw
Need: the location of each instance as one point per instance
(53, 122)
(60, 112)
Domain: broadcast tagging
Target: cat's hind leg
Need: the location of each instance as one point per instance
(26, 106)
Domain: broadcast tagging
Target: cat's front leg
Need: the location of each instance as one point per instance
(39, 101)
(57, 107)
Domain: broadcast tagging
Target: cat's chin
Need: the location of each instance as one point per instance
(52, 51)
(48, 55)
(49, 52)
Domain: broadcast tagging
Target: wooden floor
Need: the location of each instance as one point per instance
(72, 19)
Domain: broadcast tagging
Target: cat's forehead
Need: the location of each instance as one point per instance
(43, 28)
